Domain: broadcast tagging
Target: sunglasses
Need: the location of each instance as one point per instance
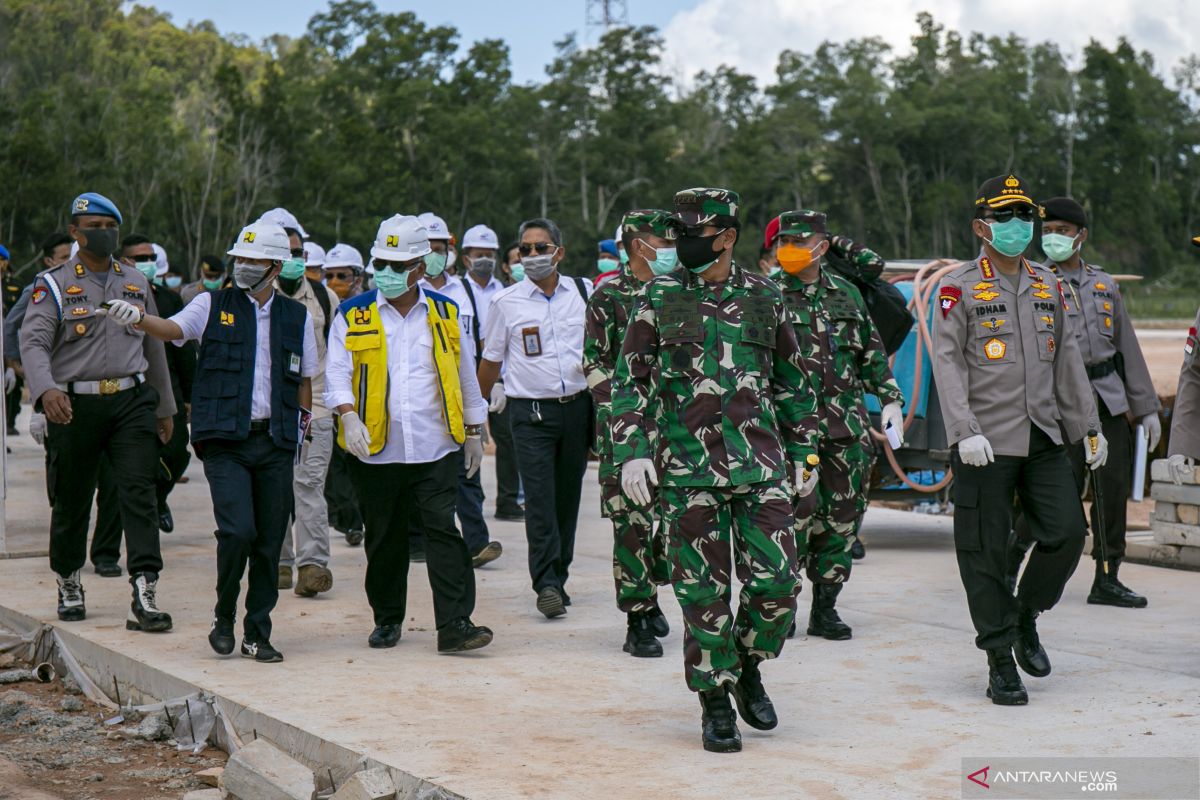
(145, 259)
(1023, 213)
(541, 248)
(297, 252)
(398, 266)
(338, 275)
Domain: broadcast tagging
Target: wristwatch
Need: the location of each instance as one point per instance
(473, 430)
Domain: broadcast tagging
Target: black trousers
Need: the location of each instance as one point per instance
(345, 512)
(251, 486)
(552, 458)
(389, 492)
(121, 427)
(12, 402)
(508, 480)
(983, 521)
(470, 510)
(173, 459)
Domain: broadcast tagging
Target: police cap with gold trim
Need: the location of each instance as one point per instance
(1001, 191)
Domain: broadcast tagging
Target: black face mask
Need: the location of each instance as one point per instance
(696, 252)
(290, 285)
(100, 242)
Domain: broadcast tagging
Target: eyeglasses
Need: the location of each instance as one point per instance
(1023, 213)
(541, 248)
(338, 275)
(398, 266)
(297, 252)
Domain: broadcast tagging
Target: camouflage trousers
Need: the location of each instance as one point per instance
(640, 563)
(827, 520)
(709, 532)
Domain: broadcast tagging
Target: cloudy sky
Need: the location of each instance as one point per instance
(749, 34)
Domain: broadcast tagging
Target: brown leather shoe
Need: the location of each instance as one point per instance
(313, 580)
(285, 577)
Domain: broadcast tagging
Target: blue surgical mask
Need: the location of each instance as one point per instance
(518, 271)
(435, 264)
(174, 281)
(293, 268)
(1058, 247)
(391, 284)
(1012, 237)
(147, 268)
(665, 260)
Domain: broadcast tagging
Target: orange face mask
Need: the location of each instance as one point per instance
(794, 259)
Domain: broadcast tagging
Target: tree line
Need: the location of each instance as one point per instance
(371, 113)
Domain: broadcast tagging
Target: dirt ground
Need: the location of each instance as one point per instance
(55, 745)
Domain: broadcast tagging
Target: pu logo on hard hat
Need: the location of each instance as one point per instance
(393, 240)
(81, 204)
(248, 236)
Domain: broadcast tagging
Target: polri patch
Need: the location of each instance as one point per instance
(948, 297)
(39, 294)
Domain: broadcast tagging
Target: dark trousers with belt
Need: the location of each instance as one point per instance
(345, 513)
(508, 481)
(123, 429)
(552, 458)
(389, 492)
(983, 521)
(173, 459)
(251, 485)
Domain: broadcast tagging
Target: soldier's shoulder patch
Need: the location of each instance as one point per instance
(39, 294)
(948, 297)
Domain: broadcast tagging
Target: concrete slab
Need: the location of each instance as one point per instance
(555, 709)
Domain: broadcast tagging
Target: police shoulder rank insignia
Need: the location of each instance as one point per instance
(226, 317)
(79, 270)
(39, 294)
(74, 288)
(995, 349)
(1107, 306)
(993, 324)
(1108, 322)
(985, 269)
(986, 295)
(979, 287)
(948, 297)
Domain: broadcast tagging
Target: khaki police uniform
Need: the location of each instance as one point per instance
(1185, 419)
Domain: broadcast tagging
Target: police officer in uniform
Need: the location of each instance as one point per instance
(250, 408)
(1183, 447)
(105, 392)
(1008, 369)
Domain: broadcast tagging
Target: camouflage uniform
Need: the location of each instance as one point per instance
(639, 556)
(715, 367)
(835, 332)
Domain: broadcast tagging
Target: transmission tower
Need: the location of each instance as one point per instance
(605, 14)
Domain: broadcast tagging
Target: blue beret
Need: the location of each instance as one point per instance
(96, 204)
(609, 246)
(4, 252)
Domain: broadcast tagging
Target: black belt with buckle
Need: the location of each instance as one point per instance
(564, 400)
(1103, 368)
(260, 425)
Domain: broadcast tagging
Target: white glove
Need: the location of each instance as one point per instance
(358, 441)
(1181, 467)
(123, 312)
(976, 451)
(806, 479)
(473, 453)
(1153, 430)
(893, 414)
(1095, 460)
(499, 399)
(10, 379)
(37, 428)
(637, 476)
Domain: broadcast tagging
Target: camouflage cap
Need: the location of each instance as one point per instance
(805, 222)
(702, 206)
(647, 220)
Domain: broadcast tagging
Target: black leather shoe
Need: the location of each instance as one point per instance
(262, 652)
(857, 551)
(639, 638)
(108, 569)
(166, 521)
(1004, 682)
(354, 537)
(753, 704)
(462, 635)
(220, 636)
(1028, 648)
(719, 724)
(511, 514)
(823, 620)
(384, 636)
(658, 622)
(1107, 589)
(550, 602)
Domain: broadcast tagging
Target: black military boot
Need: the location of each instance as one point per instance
(70, 598)
(857, 550)
(1107, 590)
(1028, 647)
(1004, 682)
(639, 637)
(1014, 557)
(824, 621)
(720, 725)
(753, 704)
(658, 622)
(143, 611)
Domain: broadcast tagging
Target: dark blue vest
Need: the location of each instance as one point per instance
(224, 384)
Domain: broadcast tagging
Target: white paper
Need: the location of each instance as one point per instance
(1140, 446)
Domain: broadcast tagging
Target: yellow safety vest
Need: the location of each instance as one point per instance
(367, 344)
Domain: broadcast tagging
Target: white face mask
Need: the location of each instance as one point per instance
(249, 277)
(538, 267)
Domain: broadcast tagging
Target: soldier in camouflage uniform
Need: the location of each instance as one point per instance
(835, 331)
(712, 364)
(639, 557)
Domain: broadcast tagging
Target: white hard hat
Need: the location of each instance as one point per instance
(161, 267)
(481, 236)
(401, 238)
(343, 255)
(314, 254)
(435, 225)
(284, 219)
(262, 240)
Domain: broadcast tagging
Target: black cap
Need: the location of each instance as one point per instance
(1065, 209)
(1001, 191)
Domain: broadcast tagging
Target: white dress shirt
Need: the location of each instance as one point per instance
(417, 432)
(483, 299)
(453, 289)
(538, 339)
(193, 319)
